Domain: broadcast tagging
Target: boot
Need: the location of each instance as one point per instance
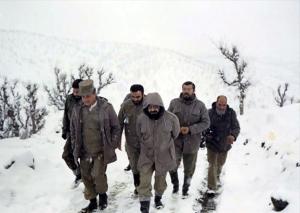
(186, 185)
(92, 206)
(136, 181)
(127, 168)
(145, 205)
(211, 193)
(175, 181)
(158, 203)
(102, 201)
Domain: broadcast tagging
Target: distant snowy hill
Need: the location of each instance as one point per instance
(34, 56)
(263, 162)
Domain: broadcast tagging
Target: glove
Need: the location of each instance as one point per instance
(64, 135)
(230, 139)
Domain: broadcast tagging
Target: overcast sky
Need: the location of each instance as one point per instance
(265, 28)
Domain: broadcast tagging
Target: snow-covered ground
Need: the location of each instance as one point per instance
(251, 175)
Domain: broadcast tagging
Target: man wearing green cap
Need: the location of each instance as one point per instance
(95, 133)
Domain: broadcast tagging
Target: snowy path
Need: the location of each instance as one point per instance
(251, 174)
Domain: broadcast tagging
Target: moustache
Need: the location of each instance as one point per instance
(137, 102)
(153, 112)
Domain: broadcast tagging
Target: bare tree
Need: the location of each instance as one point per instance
(86, 71)
(10, 109)
(35, 117)
(3, 102)
(57, 95)
(17, 104)
(282, 96)
(239, 81)
(14, 112)
(5, 121)
(101, 84)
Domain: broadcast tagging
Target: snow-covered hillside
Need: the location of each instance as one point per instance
(251, 175)
(34, 56)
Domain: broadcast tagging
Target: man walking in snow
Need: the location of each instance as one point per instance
(194, 119)
(130, 109)
(223, 131)
(156, 130)
(72, 100)
(128, 167)
(95, 131)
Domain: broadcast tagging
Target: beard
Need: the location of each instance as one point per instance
(220, 112)
(77, 98)
(137, 102)
(154, 115)
(187, 97)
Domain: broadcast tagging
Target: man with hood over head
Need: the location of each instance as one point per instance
(156, 130)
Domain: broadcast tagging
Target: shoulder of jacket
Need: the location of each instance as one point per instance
(102, 98)
(175, 101)
(104, 102)
(201, 103)
(126, 104)
(140, 117)
(231, 111)
(211, 112)
(170, 114)
(68, 98)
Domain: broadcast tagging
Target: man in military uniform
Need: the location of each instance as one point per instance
(95, 131)
(194, 119)
(130, 109)
(72, 100)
